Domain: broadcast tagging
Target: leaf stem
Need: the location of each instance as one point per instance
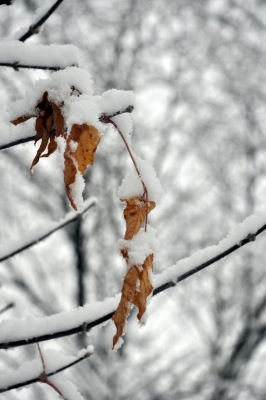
(145, 190)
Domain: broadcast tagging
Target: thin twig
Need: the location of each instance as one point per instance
(76, 216)
(16, 66)
(159, 289)
(41, 356)
(37, 379)
(145, 190)
(102, 118)
(33, 29)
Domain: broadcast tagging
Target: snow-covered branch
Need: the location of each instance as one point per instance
(32, 330)
(8, 250)
(31, 372)
(17, 55)
(33, 29)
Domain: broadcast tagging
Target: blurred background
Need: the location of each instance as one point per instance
(198, 72)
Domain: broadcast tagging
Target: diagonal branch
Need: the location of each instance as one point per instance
(158, 288)
(38, 379)
(38, 237)
(102, 118)
(35, 28)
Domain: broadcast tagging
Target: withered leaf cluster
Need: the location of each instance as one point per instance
(137, 286)
(81, 142)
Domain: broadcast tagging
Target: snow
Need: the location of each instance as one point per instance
(58, 85)
(53, 55)
(132, 187)
(140, 247)
(82, 110)
(37, 234)
(114, 100)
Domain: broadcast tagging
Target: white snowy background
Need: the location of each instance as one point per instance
(197, 70)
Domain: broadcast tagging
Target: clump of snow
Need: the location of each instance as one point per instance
(59, 86)
(114, 100)
(132, 187)
(84, 352)
(140, 246)
(82, 110)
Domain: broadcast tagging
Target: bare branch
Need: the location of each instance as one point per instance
(102, 118)
(158, 289)
(33, 29)
(16, 66)
(72, 218)
(38, 379)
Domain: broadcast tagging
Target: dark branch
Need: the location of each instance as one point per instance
(35, 28)
(38, 379)
(102, 118)
(16, 66)
(159, 289)
(7, 307)
(76, 217)
(16, 142)
(6, 2)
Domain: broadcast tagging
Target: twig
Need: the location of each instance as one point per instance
(102, 118)
(38, 379)
(43, 377)
(35, 28)
(16, 66)
(159, 289)
(7, 307)
(75, 217)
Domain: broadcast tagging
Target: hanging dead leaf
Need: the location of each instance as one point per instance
(135, 214)
(49, 124)
(136, 289)
(81, 146)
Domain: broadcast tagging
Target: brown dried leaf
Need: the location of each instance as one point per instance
(135, 214)
(81, 146)
(137, 287)
(45, 139)
(58, 120)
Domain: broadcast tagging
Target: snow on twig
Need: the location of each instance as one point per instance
(33, 29)
(31, 330)
(16, 141)
(8, 250)
(31, 372)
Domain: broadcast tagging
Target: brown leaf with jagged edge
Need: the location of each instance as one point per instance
(81, 146)
(135, 213)
(137, 287)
